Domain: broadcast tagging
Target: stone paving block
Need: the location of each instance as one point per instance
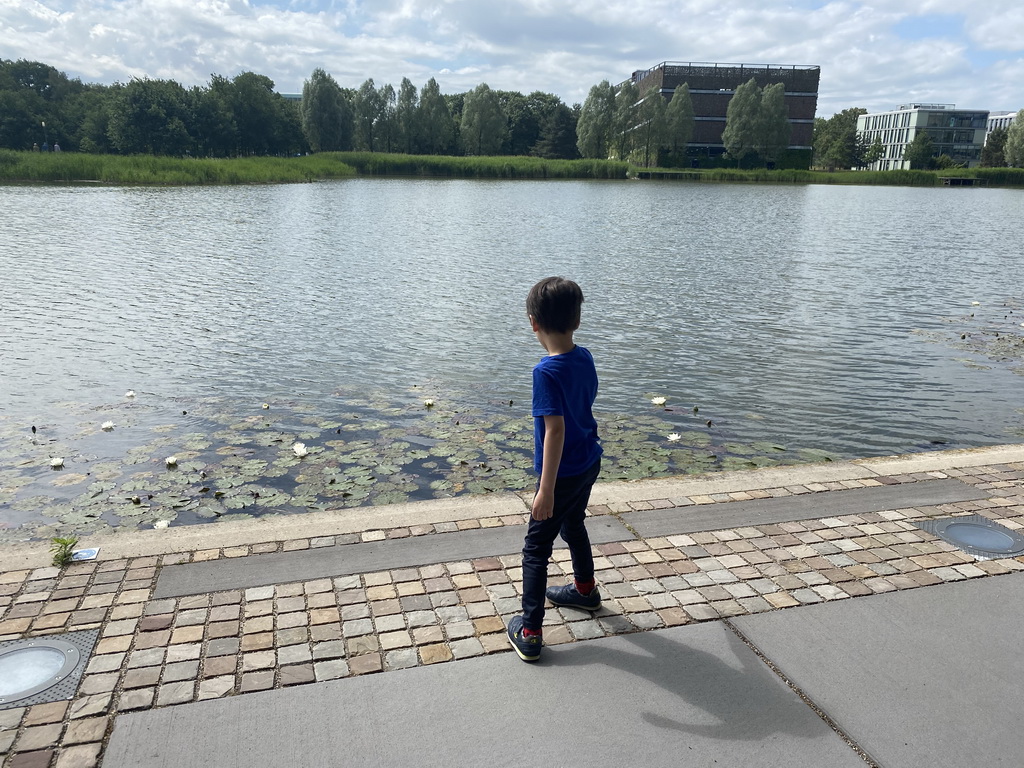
(256, 681)
(297, 674)
(258, 660)
(392, 640)
(364, 644)
(141, 678)
(104, 683)
(183, 652)
(40, 714)
(215, 687)
(391, 623)
(141, 698)
(38, 759)
(433, 654)
(38, 737)
(464, 649)
(357, 628)
(88, 706)
(81, 756)
(293, 654)
(332, 669)
(365, 664)
(183, 670)
(219, 666)
(291, 636)
(223, 646)
(585, 630)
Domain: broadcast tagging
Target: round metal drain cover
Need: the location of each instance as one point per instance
(33, 666)
(980, 537)
(976, 535)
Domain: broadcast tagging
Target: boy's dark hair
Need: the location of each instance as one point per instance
(554, 303)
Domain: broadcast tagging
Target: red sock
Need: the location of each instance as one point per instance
(585, 587)
(531, 632)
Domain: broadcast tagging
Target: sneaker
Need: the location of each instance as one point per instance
(528, 648)
(568, 596)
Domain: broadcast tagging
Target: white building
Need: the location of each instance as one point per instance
(999, 120)
(959, 133)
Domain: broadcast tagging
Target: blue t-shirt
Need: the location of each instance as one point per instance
(566, 385)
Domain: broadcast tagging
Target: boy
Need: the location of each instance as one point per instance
(567, 455)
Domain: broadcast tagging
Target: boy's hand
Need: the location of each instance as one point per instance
(543, 506)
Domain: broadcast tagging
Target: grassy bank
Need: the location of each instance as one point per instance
(995, 177)
(149, 169)
(382, 164)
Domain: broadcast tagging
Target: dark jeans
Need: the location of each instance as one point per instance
(571, 497)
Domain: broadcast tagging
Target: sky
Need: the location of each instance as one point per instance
(875, 55)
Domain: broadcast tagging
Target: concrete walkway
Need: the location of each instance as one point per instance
(224, 645)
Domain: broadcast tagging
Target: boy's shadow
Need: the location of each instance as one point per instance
(748, 702)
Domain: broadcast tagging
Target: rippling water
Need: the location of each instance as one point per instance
(802, 315)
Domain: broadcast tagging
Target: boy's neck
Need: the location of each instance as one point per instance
(556, 343)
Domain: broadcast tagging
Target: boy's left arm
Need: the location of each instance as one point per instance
(554, 442)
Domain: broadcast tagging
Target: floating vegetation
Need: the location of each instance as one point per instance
(992, 331)
(181, 462)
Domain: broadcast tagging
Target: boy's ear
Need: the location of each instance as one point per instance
(533, 324)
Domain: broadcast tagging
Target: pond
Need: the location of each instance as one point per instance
(780, 324)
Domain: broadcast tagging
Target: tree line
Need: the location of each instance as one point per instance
(244, 116)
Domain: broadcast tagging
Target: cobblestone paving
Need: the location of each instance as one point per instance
(157, 653)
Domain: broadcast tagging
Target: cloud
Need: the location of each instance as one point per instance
(872, 55)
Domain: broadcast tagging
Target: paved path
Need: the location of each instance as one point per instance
(258, 642)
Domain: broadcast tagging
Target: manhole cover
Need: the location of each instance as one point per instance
(976, 535)
(41, 669)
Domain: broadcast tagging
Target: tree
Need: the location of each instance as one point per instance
(1014, 147)
(594, 127)
(742, 121)
(147, 116)
(366, 114)
(625, 119)
(919, 152)
(874, 153)
(773, 123)
(523, 127)
(213, 123)
(406, 118)
(679, 120)
(388, 125)
(483, 123)
(557, 138)
(437, 129)
(651, 131)
(836, 142)
(266, 123)
(326, 117)
(992, 153)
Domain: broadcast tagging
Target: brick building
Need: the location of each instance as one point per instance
(712, 85)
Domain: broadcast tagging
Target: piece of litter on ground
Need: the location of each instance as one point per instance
(85, 554)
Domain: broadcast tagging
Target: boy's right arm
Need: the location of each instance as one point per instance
(554, 441)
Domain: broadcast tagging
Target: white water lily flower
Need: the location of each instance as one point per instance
(428, 403)
(266, 406)
(106, 426)
(161, 523)
(658, 400)
(171, 461)
(674, 436)
(300, 449)
(58, 462)
(130, 393)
